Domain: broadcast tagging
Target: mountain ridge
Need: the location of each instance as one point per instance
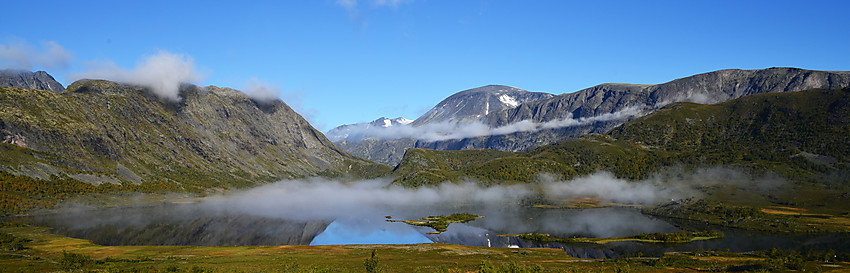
(606, 99)
(706, 88)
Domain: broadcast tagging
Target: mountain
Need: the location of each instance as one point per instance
(599, 109)
(471, 105)
(29, 80)
(105, 132)
(463, 107)
(353, 131)
(801, 136)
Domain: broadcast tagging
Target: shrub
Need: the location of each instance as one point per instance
(71, 261)
(371, 263)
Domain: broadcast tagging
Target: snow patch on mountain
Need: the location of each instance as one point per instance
(402, 120)
(509, 101)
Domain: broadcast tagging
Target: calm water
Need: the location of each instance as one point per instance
(191, 224)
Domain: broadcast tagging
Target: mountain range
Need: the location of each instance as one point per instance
(542, 119)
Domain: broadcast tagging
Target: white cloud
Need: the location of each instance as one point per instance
(162, 72)
(260, 91)
(19, 54)
(453, 130)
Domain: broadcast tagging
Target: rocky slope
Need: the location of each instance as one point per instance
(100, 131)
(29, 80)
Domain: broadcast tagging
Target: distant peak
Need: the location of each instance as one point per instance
(29, 80)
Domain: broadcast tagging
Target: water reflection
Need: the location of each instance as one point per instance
(365, 231)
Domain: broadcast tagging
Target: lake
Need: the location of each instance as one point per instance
(196, 224)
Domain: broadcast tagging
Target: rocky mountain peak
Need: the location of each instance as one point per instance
(472, 104)
(29, 80)
(385, 122)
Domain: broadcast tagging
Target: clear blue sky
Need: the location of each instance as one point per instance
(349, 61)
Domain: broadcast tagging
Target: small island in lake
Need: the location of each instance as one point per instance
(439, 223)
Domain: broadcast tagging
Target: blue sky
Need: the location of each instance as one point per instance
(347, 61)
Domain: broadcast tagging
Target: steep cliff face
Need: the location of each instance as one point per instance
(213, 137)
(29, 80)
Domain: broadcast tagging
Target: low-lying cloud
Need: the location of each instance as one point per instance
(325, 199)
(294, 211)
(19, 54)
(453, 130)
(162, 72)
